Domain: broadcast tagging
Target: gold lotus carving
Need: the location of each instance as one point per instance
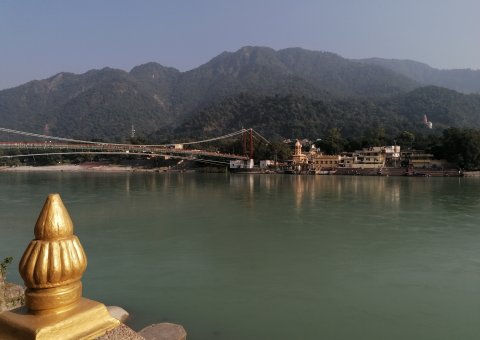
(48, 264)
(54, 262)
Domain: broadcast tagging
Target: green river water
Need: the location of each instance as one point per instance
(269, 256)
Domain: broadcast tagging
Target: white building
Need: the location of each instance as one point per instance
(266, 163)
(241, 164)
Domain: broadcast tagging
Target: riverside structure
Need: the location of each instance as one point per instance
(377, 160)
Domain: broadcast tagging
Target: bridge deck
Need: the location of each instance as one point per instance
(106, 147)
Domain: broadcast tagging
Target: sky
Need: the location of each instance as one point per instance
(41, 38)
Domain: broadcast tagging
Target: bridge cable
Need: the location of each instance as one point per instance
(30, 134)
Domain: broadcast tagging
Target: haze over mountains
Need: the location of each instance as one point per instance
(286, 93)
(461, 80)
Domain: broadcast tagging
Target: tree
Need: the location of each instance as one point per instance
(374, 136)
(405, 140)
(462, 147)
(334, 143)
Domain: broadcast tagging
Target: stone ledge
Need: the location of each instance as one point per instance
(122, 332)
(11, 296)
(159, 331)
(118, 313)
(164, 331)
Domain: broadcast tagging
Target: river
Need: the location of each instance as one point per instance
(269, 256)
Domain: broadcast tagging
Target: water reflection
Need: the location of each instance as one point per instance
(306, 190)
(127, 183)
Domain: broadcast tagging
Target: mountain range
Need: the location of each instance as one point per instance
(461, 80)
(286, 93)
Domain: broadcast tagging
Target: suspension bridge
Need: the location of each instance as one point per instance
(53, 145)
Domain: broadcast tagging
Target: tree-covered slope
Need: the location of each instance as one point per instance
(290, 117)
(101, 104)
(250, 69)
(339, 75)
(298, 116)
(105, 103)
(443, 107)
(290, 92)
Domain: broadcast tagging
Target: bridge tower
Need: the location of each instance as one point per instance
(247, 138)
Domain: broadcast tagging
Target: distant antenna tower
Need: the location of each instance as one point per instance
(132, 133)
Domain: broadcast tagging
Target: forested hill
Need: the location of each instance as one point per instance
(103, 104)
(100, 104)
(445, 108)
(298, 116)
(289, 117)
(291, 93)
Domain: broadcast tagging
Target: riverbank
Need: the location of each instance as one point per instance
(109, 168)
(95, 167)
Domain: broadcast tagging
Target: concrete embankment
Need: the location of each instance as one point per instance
(471, 173)
(400, 172)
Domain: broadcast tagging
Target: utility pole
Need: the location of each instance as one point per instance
(132, 133)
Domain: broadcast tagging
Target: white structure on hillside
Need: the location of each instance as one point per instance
(426, 122)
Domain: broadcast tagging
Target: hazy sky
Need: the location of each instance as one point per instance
(41, 38)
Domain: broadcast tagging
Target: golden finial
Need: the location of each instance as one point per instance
(54, 222)
(53, 262)
(52, 267)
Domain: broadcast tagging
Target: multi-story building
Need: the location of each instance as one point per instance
(367, 158)
(313, 160)
(419, 159)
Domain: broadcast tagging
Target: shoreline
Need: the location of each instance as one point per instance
(86, 168)
(114, 168)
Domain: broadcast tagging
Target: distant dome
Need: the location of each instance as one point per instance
(298, 143)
